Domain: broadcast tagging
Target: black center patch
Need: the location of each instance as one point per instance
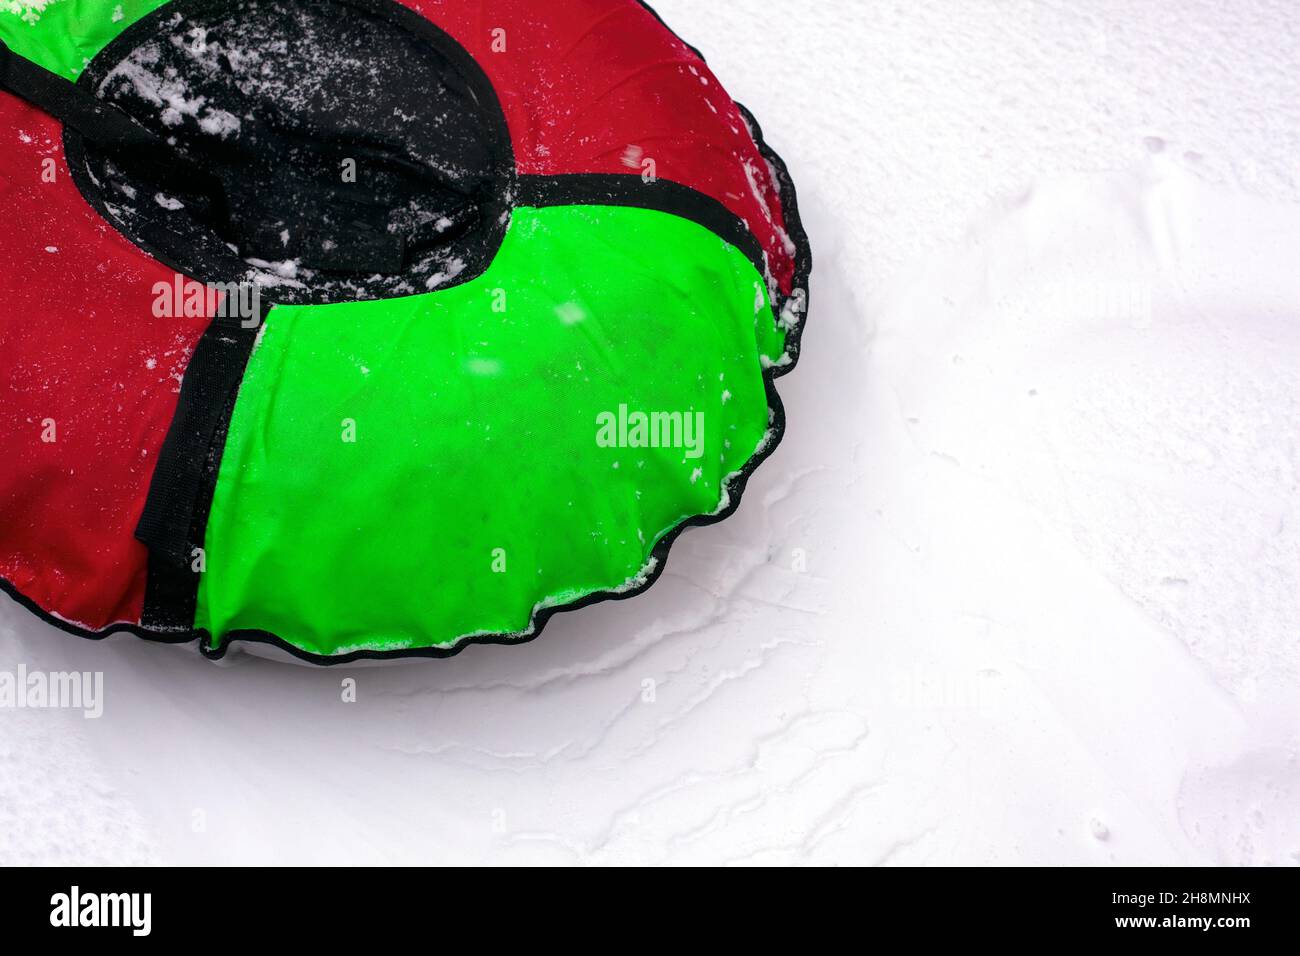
(326, 151)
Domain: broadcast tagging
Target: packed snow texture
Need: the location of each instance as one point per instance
(1022, 586)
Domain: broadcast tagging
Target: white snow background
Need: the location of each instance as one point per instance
(1022, 586)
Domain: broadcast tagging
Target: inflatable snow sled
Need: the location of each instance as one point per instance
(367, 328)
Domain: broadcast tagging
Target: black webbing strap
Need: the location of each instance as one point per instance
(102, 123)
(182, 476)
(72, 105)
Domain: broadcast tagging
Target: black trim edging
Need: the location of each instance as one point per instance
(630, 190)
(174, 522)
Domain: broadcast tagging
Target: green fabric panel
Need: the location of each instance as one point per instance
(65, 35)
(476, 412)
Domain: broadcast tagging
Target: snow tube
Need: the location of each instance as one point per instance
(368, 328)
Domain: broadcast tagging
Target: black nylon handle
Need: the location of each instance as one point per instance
(106, 125)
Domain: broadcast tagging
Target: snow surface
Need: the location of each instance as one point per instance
(1021, 586)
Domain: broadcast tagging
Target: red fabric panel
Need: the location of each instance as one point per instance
(592, 86)
(79, 345)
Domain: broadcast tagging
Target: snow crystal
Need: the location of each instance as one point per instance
(451, 270)
(169, 92)
(29, 10)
